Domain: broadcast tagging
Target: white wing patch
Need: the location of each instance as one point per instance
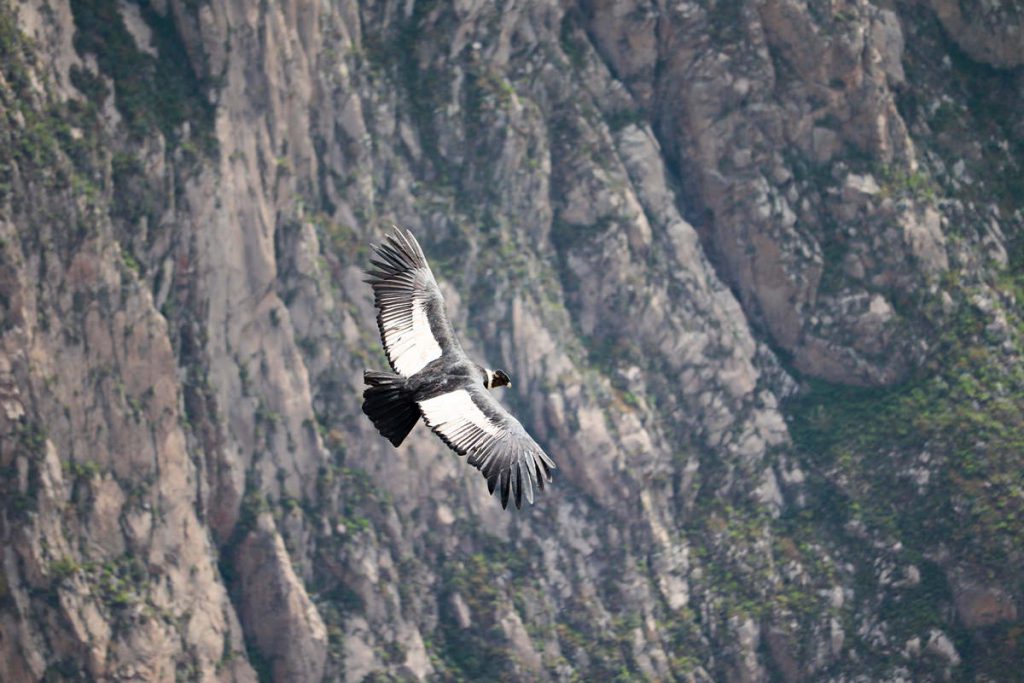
(456, 417)
(407, 337)
(472, 423)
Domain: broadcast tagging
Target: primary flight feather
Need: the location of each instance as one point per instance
(434, 379)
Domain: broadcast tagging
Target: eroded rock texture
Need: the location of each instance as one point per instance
(752, 265)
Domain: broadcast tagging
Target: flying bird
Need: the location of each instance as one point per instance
(434, 379)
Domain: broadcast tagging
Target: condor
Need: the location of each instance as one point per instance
(435, 379)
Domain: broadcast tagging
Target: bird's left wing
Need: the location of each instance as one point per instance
(414, 326)
(473, 423)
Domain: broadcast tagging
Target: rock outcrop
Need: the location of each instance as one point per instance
(990, 32)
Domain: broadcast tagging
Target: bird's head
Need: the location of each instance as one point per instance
(498, 378)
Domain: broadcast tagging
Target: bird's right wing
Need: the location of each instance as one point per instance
(473, 423)
(414, 326)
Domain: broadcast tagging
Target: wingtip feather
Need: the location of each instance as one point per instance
(506, 475)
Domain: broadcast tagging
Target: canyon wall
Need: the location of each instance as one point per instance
(754, 268)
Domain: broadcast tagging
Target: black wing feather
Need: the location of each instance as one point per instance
(472, 423)
(411, 318)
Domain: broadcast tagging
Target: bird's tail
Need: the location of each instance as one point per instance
(389, 404)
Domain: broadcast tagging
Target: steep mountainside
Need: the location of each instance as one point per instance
(755, 268)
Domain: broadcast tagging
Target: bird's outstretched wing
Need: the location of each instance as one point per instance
(414, 327)
(473, 423)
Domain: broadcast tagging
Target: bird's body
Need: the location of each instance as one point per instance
(436, 380)
(443, 375)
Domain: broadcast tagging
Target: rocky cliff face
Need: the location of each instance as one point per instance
(753, 266)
